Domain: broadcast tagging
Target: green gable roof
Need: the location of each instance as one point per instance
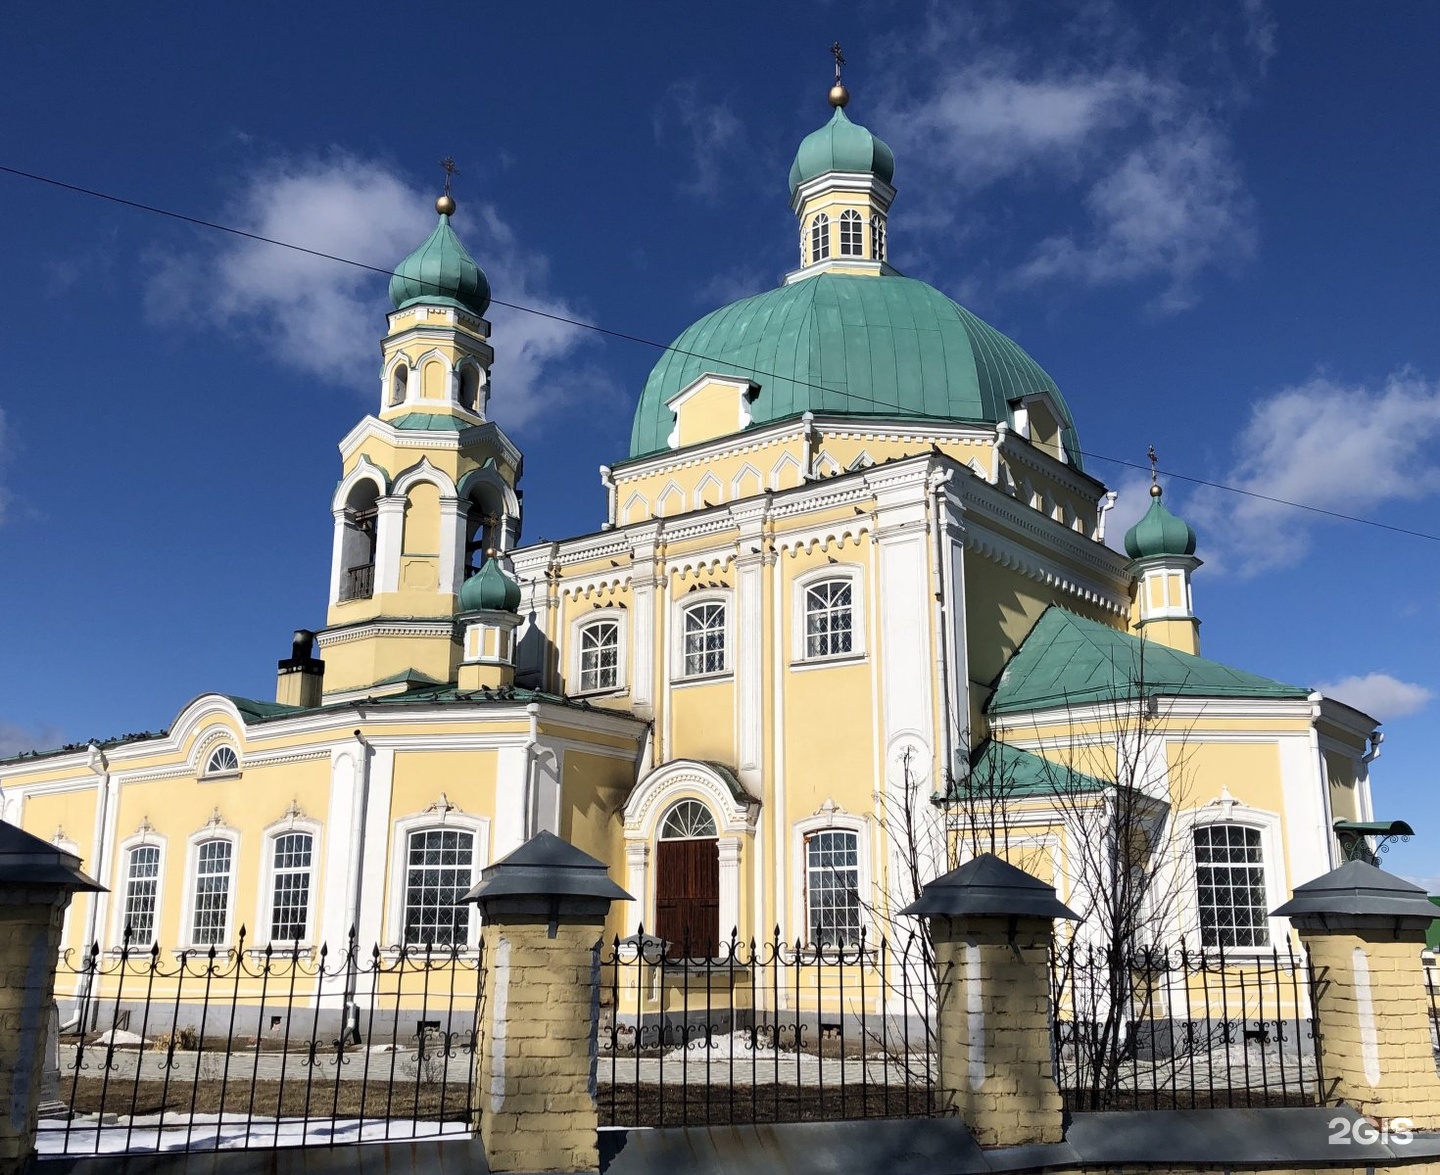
(999, 771)
(1068, 660)
(850, 345)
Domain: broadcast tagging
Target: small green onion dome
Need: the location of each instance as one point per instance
(490, 589)
(441, 271)
(1159, 533)
(841, 145)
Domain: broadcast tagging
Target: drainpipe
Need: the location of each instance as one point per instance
(356, 888)
(607, 481)
(527, 826)
(938, 481)
(100, 765)
(1107, 503)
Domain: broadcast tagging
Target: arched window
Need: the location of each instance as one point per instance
(470, 387)
(704, 639)
(688, 820)
(819, 238)
(829, 618)
(877, 237)
(399, 384)
(357, 544)
(1231, 894)
(222, 761)
(142, 888)
(210, 911)
(439, 871)
(290, 887)
(852, 240)
(832, 888)
(600, 656)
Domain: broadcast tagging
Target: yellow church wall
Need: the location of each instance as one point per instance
(819, 766)
(702, 718)
(68, 814)
(1203, 771)
(592, 791)
(1341, 778)
(355, 664)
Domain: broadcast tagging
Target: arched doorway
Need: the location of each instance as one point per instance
(687, 880)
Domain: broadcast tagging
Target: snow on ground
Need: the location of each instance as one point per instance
(88, 1136)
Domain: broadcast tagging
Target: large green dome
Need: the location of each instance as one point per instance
(850, 345)
(440, 271)
(841, 145)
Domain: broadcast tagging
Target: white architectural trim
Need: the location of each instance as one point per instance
(854, 574)
(680, 779)
(829, 818)
(679, 606)
(440, 814)
(294, 820)
(1227, 810)
(214, 829)
(621, 617)
(119, 887)
(365, 470)
(423, 471)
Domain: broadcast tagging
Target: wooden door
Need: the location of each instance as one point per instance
(687, 896)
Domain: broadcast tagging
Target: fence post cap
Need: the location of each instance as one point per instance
(1359, 890)
(26, 860)
(989, 886)
(546, 867)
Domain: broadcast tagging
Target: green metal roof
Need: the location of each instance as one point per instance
(490, 589)
(853, 345)
(253, 710)
(440, 271)
(1159, 533)
(841, 145)
(1068, 660)
(429, 422)
(999, 771)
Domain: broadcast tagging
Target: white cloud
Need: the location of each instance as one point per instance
(1317, 444)
(711, 133)
(1132, 499)
(320, 317)
(1430, 885)
(1132, 136)
(1379, 695)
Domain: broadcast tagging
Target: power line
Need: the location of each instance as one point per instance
(216, 226)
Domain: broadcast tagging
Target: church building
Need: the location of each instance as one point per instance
(850, 576)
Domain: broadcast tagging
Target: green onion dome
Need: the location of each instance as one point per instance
(853, 345)
(841, 145)
(442, 272)
(1159, 533)
(490, 589)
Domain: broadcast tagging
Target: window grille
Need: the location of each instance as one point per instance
(212, 893)
(704, 639)
(819, 238)
(439, 872)
(828, 619)
(223, 759)
(688, 820)
(832, 888)
(600, 656)
(290, 904)
(142, 887)
(1230, 886)
(851, 234)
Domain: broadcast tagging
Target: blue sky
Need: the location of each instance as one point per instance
(1215, 231)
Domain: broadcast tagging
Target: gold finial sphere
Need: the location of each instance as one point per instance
(491, 552)
(839, 95)
(1155, 490)
(445, 206)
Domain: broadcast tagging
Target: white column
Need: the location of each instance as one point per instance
(642, 620)
(637, 884)
(508, 832)
(452, 544)
(749, 636)
(376, 855)
(953, 573)
(389, 534)
(729, 905)
(337, 557)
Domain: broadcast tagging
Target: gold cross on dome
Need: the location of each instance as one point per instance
(1153, 464)
(451, 171)
(839, 55)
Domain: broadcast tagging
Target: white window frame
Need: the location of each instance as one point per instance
(1229, 811)
(146, 838)
(799, 590)
(679, 612)
(442, 817)
(209, 744)
(619, 618)
(877, 237)
(819, 238)
(853, 225)
(265, 905)
(187, 905)
(801, 831)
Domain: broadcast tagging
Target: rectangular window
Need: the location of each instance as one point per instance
(212, 893)
(290, 905)
(828, 619)
(600, 656)
(704, 639)
(142, 887)
(832, 888)
(439, 872)
(1230, 886)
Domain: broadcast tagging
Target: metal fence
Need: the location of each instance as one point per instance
(764, 1031)
(235, 1047)
(1169, 1028)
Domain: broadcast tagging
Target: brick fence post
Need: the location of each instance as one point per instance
(991, 925)
(1363, 931)
(543, 910)
(37, 881)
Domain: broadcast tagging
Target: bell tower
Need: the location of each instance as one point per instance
(1162, 559)
(429, 481)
